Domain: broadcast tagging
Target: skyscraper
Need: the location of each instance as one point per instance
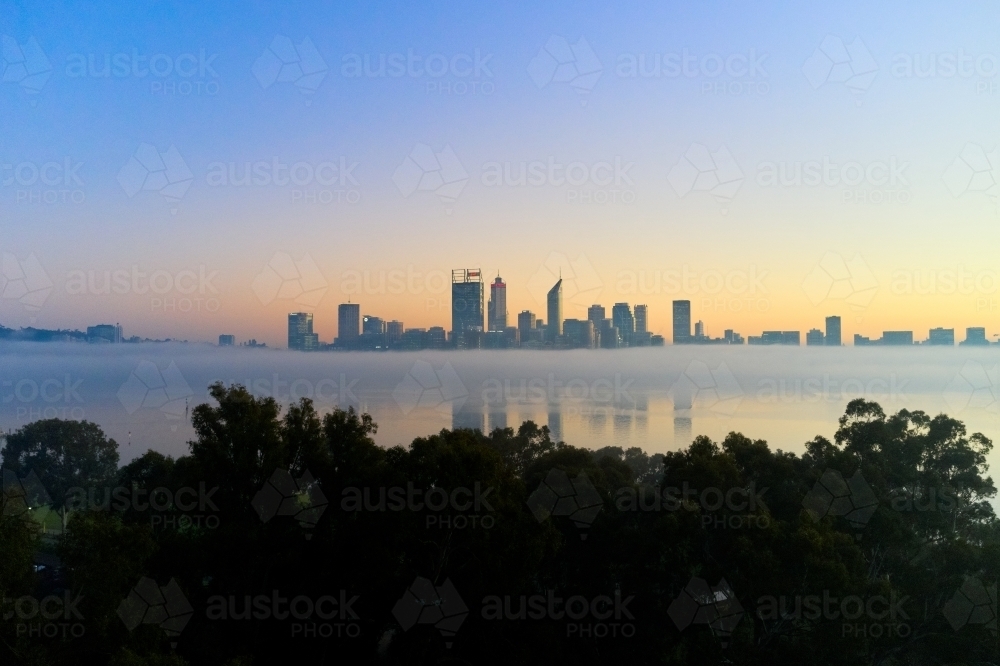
(300, 332)
(833, 331)
(525, 322)
(348, 324)
(641, 325)
(682, 322)
(555, 311)
(394, 333)
(497, 312)
(621, 318)
(596, 314)
(814, 337)
(466, 302)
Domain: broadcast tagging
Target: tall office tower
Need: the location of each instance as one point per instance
(348, 324)
(525, 322)
(596, 314)
(227, 340)
(621, 317)
(682, 322)
(394, 333)
(497, 312)
(466, 302)
(832, 331)
(814, 337)
(641, 325)
(300, 332)
(555, 310)
(699, 330)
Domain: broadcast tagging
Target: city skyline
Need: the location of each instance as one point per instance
(748, 250)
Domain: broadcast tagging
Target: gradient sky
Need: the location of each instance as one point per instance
(938, 222)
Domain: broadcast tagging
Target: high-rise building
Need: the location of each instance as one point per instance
(975, 335)
(682, 322)
(814, 337)
(372, 325)
(897, 338)
(579, 333)
(832, 332)
(525, 322)
(941, 336)
(300, 332)
(497, 313)
(466, 303)
(227, 340)
(596, 314)
(555, 310)
(699, 330)
(105, 333)
(348, 324)
(621, 317)
(394, 333)
(641, 323)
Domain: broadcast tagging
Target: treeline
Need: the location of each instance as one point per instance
(287, 536)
